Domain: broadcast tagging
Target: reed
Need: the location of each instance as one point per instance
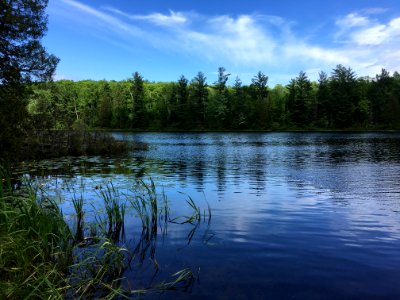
(97, 270)
(196, 216)
(115, 210)
(58, 143)
(35, 246)
(184, 280)
(144, 201)
(42, 258)
(79, 216)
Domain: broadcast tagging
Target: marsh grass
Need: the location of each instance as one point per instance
(35, 246)
(77, 202)
(58, 143)
(41, 257)
(183, 280)
(115, 209)
(97, 270)
(144, 200)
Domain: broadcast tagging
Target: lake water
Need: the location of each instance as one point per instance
(293, 215)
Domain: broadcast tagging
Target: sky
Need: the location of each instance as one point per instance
(164, 39)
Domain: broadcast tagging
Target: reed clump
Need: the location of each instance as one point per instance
(41, 257)
(57, 143)
(35, 245)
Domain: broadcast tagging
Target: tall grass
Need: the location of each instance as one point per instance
(35, 246)
(41, 257)
(115, 210)
(77, 202)
(144, 200)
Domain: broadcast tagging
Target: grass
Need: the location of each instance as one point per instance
(41, 257)
(115, 210)
(35, 245)
(77, 202)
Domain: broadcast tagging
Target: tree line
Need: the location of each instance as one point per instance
(340, 100)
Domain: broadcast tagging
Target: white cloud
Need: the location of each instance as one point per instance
(371, 44)
(102, 19)
(254, 41)
(352, 20)
(239, 40)
(174, 18)
(375, 35)
(373, 10)
(362, 30)
(166, 20)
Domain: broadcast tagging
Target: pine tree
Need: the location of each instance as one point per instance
(22, 59)
(139, 109)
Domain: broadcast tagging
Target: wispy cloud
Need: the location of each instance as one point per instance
(101, 19)
(358, 39)
(174, 18)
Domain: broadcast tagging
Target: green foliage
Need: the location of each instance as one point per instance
(219, 110)
(341, 101)
(198, 99)
(262, 105)
(105, 106)
(343, 85)
(138, 102)
(324, 102)
(300, 100)
(35, 246)
(22, 59)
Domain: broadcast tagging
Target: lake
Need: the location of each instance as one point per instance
(293, 215)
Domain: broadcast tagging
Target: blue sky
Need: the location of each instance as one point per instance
(164, 39)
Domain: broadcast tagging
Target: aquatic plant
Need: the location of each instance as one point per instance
(35, 246)
(115, 211)
(42, 258)
(97, 270)
(79, 213)
(144, 200)
(184, 280)
(58, 143)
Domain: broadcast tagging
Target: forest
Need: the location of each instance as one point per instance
(339, 100)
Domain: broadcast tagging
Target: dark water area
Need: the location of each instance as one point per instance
(294, 215)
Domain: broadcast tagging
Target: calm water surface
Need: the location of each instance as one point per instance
(294, 215)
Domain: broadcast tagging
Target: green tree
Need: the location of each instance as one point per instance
(393, 111)
(22, 59)
(139, 108)
(120, 116)
(41, 108)
(262, 105)
(182, 101)
(301, 98)
(198, 99)
(219, 109)
(259, 83)
(324, 104)
(343, 86)
(362, 112)
(278, 99)
(66, 104)
(380, 94)
(105, 106)
(238, 117)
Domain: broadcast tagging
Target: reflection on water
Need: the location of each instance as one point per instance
(295, 215)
